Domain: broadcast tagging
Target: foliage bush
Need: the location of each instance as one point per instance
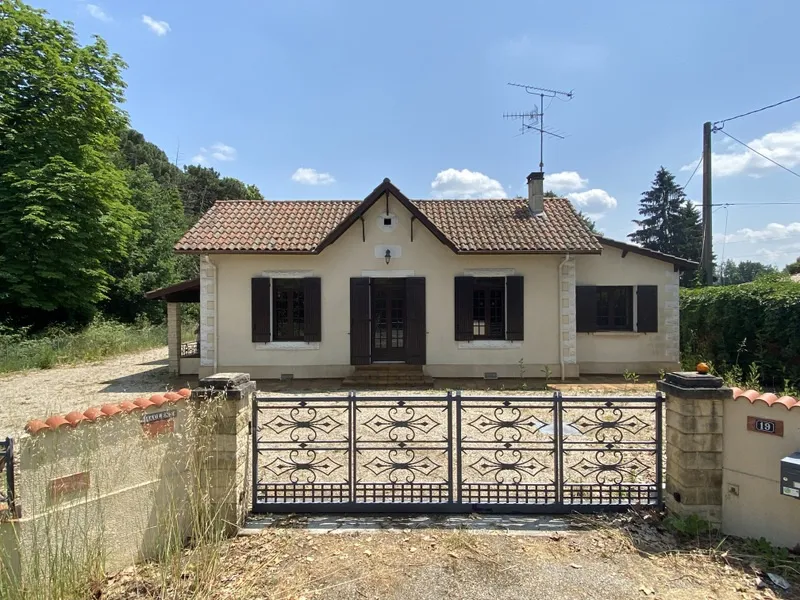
(752, 328)
(59, 345)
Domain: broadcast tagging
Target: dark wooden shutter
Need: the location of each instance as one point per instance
(647, 308)
(359, 321)
(312, 311)
(416, 331)
(463, 308)
(586, 308)
(515, 307)
(259, 308)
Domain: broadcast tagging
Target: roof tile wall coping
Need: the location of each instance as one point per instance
(94, 413)
(768, 398)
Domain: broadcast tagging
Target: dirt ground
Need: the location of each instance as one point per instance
(623, 557)
(40, 393)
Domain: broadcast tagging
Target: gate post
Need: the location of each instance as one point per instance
(694, 405)
(228, 460)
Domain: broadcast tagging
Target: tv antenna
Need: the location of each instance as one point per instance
(534, 120)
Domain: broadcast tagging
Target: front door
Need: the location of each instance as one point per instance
(388, 320)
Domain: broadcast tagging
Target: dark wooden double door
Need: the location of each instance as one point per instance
(387, 320)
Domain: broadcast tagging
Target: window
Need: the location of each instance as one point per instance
(614, 308)
(617, 308)
(488, 308)
(288, 307)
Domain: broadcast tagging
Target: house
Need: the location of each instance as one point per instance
(458, 288)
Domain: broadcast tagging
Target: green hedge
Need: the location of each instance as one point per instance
(742, 327)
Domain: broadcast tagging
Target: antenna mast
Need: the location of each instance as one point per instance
(536, 116)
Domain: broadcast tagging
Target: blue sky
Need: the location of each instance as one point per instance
(323, 98)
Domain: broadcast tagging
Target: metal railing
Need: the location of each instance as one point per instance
(456, 453)
(7, 504)
(190, 350)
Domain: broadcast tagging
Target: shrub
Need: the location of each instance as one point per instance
(752, 328)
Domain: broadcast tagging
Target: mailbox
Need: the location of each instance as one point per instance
(790, 475)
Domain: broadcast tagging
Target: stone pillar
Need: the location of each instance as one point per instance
(229, 467)
(174, 337)
(694, 404)
(569, 343)
(208, 315)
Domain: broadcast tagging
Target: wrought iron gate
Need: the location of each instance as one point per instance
(456, 453)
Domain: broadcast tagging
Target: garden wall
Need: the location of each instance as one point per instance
(103, 489)
(752, 505)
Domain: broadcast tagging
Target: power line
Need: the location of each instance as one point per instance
(759, 153)
(697, 166)
(752, 112)
(726, 204)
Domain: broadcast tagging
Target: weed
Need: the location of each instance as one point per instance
(548, 373)
(690, 525)
(631, 376)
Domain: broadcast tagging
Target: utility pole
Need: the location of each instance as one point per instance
(708, 274)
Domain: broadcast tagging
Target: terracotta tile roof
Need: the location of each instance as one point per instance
(769, 399)
(265, 225)
(499, 225)
(75, 418)
(496, 225)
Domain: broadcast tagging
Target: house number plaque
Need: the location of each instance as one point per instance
(768, 426)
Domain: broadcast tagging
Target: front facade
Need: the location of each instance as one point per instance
(464, 288)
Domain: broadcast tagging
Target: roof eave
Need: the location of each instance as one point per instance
(677, 261)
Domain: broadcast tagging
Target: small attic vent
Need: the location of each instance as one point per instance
(490, 375)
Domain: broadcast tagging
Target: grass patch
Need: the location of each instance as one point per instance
(98, 340)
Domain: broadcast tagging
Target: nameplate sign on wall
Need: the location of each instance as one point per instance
(155, 424)
(768, 426)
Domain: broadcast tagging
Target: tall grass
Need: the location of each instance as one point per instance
(100, 339)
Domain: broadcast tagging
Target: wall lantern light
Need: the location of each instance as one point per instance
(388, 256)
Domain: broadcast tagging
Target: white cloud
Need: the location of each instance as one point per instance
(781, 256)
(312, 177)
(565, 181)
(97, 12)
(781, 146)
(223, 152)
(773, 231)
(160, 28)
(593, 200)
(219, 152)
(452, 183)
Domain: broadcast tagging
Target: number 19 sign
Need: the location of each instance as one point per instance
(768, 426)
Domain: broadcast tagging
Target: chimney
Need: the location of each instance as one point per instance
(536, 192)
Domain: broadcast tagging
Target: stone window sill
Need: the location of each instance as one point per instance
(287, 346)
(612, 333)
(489, 345)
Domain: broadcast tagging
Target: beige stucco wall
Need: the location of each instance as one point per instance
(752, 505)
(643, 353)
(136, 502)
(226, 314)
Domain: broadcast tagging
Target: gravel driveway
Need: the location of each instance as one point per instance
(39, 394)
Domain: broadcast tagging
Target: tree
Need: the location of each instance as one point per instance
(671, 224)
(202, 186)
(793, 268)
(135, 150)
(63, 202)
(152, 262)
(731, 273)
